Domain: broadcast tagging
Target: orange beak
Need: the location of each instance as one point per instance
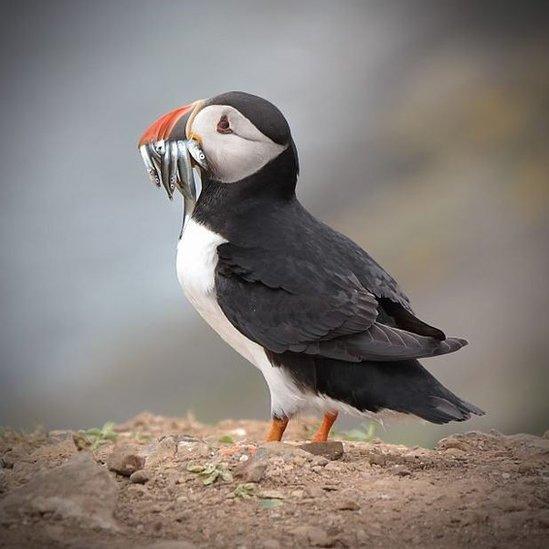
(170, 125)
(167, 153)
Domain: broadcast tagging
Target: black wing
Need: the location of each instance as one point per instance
(282, 303)
(306, 302)
(394, 306)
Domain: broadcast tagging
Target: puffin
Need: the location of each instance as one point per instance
(327, 326)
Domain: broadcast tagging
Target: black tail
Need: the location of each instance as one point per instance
(404, 386)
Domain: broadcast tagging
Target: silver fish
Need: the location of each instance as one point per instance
(185, 172)
(170, 164)
(197, 153)
(149, 165)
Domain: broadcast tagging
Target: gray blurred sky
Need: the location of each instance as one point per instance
(94, 325)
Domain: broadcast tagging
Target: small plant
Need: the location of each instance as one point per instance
(364, 434)
(226, 439)
(245, 491)
(95, 437)
(211, 472)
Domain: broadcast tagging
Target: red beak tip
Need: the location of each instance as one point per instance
(162, 127)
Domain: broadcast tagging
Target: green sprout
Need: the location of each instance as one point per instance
(244, 491)
(226, 439)
(95, 437)
(211, 472)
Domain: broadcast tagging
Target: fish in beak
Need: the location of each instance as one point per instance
(171, 157)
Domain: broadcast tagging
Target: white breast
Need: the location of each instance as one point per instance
(196, 262)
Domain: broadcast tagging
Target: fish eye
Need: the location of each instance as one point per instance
(223, 125)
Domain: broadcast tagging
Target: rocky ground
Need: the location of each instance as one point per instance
(174, 483)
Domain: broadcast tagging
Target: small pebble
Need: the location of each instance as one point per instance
(348, 505)
(140, 477)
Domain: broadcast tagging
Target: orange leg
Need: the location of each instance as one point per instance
(324, 430)
(278, 426)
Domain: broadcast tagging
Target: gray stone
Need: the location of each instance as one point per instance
(452, 442)
(125, 460)
(330, 450)
(166, 447)
(255, 471)
(280, 449)
(401, 471)
(140, 477)
(78, 490)
(376, 458)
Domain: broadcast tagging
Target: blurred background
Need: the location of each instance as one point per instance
(423, 133)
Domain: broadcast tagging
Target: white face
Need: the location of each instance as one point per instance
(233, 146)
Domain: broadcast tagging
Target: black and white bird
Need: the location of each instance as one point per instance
(325, 324)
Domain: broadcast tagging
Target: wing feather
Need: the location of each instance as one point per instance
(289, 303)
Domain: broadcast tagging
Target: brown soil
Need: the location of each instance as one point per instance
(175, 483)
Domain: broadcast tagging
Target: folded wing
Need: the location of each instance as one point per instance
(291, 303)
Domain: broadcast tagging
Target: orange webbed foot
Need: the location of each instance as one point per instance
(278, 426)
(324, 430)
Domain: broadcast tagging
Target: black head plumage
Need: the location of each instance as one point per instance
(261, 113)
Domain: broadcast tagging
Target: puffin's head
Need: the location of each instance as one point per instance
(230, 137)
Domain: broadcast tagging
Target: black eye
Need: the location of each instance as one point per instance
(223, 125)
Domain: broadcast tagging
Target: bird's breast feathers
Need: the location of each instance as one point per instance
(196, 262)
(197, 259)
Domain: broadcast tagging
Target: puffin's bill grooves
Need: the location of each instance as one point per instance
(170, 163)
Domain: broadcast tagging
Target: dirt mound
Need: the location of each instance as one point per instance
(175, 483)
